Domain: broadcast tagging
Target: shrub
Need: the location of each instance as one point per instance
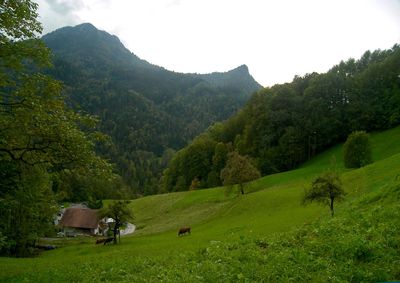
(357, 150)
(326, 188)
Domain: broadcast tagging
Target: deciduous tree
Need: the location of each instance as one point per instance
(39, 135)
(120, 212)
(357, 150)
(239, 170)
(326, 189)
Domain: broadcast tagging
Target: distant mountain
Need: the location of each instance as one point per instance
(84, 43)
(146, 109)
(238, 78)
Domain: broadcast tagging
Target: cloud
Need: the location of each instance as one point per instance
(173, 3)
(58, 13)
(63, 7)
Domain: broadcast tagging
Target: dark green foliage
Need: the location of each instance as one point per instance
(219, 158)
(284, 125)
(193, 162)
(146, 109)
(236, 79)
(120, 212)
(326, 189)
(95, 204)
(239, 170)
(75, 187)
(181, 184)
(357, 150)
(40, 137)
(27, 209)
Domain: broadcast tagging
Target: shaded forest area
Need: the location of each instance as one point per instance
(41, 139)
(282, 126)
(148, 112)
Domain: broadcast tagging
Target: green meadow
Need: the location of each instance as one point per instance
(264, 235)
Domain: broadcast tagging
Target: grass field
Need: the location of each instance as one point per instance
(271, 210)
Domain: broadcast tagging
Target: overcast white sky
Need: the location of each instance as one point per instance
(276, 39)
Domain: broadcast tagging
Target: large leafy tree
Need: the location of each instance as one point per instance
(239, 170)
(39, 135)
(27, 210)
(35, 125)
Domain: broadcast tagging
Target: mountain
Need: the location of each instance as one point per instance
(238, 78)
(84, 42)
(147, 110)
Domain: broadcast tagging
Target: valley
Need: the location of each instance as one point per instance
(114, 169)
(270, 211)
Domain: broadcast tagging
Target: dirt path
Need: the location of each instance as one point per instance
(130, 228)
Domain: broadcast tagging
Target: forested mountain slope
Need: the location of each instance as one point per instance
(148, 111)
(282, 126)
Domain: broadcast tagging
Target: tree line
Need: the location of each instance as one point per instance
(284, 125)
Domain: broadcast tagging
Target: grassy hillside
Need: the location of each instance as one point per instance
(278, 195)
(254, 236)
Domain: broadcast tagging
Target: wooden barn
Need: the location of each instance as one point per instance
(78, 220)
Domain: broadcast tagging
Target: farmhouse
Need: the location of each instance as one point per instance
(79, 220)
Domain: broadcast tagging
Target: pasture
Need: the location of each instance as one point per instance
(230, 234)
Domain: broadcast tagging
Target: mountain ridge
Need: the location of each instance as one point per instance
(75, 32)
(147, 110)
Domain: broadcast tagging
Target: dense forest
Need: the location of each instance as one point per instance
(285, 125)
(148, 112)
(42, 141)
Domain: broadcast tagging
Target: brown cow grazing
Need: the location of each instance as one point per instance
(183, 231)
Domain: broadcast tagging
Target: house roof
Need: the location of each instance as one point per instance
(80, 218)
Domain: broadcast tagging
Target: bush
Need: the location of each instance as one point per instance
(357, 150)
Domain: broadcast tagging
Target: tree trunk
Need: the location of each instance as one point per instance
(241, 188)
(331, 206)
(115, 234)
(116, 230)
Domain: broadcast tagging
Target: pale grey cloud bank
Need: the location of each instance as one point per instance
(58, 13)
(276, 39)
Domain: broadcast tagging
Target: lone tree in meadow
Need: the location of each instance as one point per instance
(326, 189)
(357, 150)
(239, 170)
(120, 212)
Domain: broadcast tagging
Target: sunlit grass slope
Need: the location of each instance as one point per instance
(271, 205)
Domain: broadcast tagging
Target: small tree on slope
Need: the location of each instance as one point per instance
(326, 188)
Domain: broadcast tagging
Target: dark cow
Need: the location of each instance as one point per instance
(46, 247)
(104, 241)
(108, 240)
(99, 241)
(183, 231)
